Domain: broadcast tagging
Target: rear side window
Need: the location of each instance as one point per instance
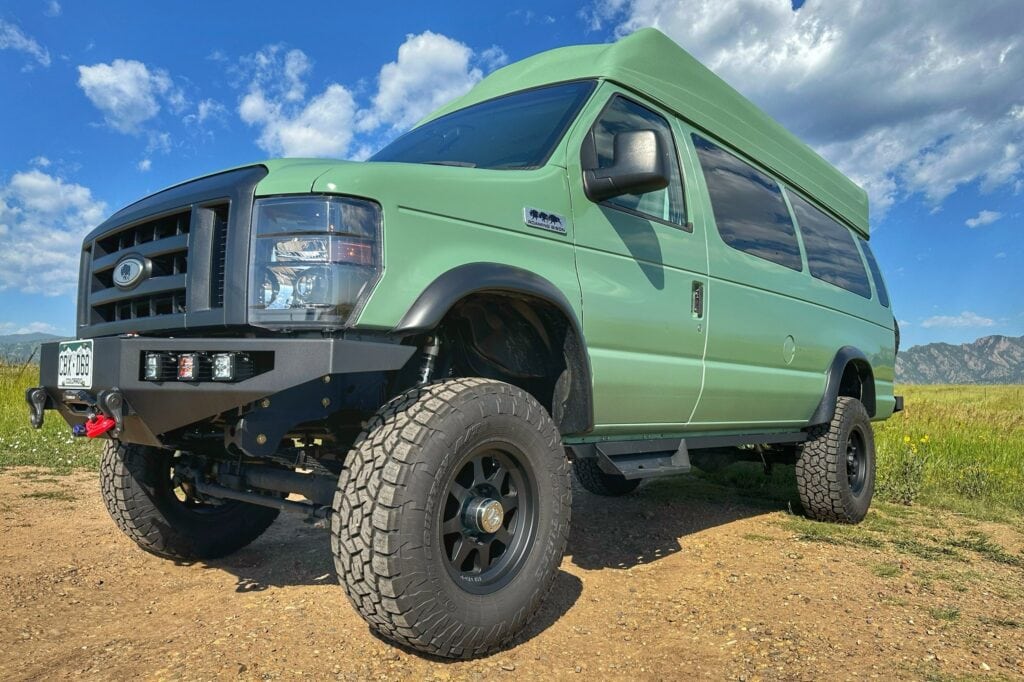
(876, 273)
(622, 115)
(832, 254)
(750, 212)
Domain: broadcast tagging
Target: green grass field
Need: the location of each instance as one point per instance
(954, 447)
(20, 445)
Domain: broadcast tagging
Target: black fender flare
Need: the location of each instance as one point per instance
(833, 380)
(449, 288)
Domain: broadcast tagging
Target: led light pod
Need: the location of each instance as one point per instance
(223, 366)
(153, 364)
(188, 367)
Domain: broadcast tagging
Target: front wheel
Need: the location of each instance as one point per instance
(835, 469)
(451, 516)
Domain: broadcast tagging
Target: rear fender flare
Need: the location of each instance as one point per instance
(846, 356)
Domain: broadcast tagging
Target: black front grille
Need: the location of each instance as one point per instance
(220, 250)
(192, 239)
(163, 243)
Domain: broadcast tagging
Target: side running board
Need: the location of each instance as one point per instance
(665, 457)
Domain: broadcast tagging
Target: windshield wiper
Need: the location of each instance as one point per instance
(458, 164)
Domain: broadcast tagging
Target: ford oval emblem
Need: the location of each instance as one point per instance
(129, 271)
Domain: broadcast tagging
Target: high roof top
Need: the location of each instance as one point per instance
(649, 62)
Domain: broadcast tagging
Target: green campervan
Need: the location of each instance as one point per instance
(601, 259)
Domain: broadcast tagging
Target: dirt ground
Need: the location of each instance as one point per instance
(658, 585)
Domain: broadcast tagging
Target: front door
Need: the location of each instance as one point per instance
(640, 263)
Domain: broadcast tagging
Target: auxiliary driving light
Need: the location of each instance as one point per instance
(223, 366)
(188, 366)
(154, 363)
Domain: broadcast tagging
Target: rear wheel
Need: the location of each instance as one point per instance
(451, 516)
(153, 503)
(835, 469)
(595, 480)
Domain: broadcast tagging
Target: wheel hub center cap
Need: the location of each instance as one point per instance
(485, 515)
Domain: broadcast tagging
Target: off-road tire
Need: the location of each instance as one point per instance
(826, 492)
(134, 483)
(386, 529)
(596, 481)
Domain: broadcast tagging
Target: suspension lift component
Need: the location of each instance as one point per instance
(430, 352)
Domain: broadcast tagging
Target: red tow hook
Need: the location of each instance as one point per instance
(97, 425)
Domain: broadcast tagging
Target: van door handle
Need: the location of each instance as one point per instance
(698, 300)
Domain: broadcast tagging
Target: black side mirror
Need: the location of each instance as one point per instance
(638, 166)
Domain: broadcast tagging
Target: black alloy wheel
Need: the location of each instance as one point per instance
(856, 460)
(488, 519)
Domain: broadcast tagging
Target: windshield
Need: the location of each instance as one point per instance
(516, 131)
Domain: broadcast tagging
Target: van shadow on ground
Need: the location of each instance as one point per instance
(607, 533)
(654, 522)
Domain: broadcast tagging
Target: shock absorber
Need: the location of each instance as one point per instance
(431, 349)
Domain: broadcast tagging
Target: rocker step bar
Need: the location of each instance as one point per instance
(666, 457)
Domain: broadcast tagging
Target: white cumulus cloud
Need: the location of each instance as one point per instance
(129, 93)
(905, 99)
(983, 218)
(290, 126)
(43, 219)
(964, 319)
(13, 38)
(321, 128)
(207, 109)
(431, 69)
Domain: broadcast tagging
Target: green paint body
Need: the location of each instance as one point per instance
(757, 359)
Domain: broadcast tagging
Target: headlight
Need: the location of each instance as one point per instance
(314, 260)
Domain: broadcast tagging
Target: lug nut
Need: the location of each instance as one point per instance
(327, 379)
(325, 402)
(261, 439)
(265, 403)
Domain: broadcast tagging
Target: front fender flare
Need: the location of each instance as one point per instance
(449, 288)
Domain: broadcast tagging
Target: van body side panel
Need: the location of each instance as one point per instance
(637, 277)
(773, 333)
(437, 218)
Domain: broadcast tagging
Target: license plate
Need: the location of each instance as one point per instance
(74, 364)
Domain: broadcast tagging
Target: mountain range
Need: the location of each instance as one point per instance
(16, 349)
(989, 360)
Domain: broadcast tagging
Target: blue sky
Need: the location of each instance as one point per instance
(924, 108)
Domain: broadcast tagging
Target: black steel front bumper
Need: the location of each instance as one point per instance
(148, 409)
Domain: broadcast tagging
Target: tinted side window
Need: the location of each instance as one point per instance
(623, 115)
(876, 274)
(832, 254)
(750, 212)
